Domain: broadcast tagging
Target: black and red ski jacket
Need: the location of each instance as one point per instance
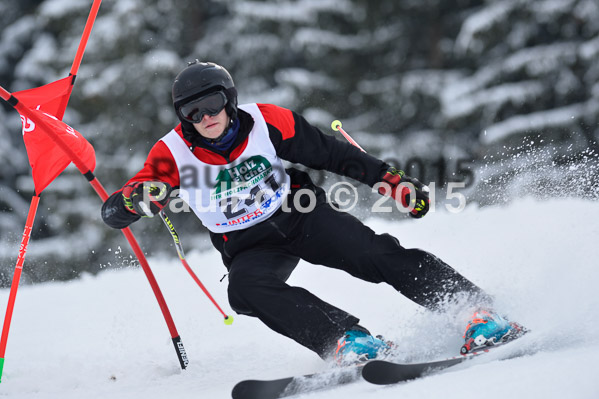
(294, 139)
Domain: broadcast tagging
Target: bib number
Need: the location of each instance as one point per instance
(257, 196)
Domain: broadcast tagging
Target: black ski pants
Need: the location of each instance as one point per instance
(261, 258)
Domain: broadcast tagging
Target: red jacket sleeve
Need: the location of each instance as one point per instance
(159, 166)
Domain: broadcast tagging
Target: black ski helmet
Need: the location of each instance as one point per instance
(201, 78)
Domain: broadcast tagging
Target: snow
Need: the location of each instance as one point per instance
(302, 11)
(10, 45)
(161, 59)
(109, 77)
(590, 49)
(459, 89)
(513, 92)
(542, 59)
(104, 336)
(61, 8)
(307, 38)
(463, 95)
(533, 122)
(35, 63)
(479, 22)
(549, 10)
(304, 78)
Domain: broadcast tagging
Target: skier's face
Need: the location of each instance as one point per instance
(213, 126)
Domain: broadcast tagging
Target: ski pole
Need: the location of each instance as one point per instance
(179, 247)
(336, 126)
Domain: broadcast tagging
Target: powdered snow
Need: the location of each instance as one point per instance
(104, 336)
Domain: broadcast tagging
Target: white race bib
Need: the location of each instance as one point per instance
(236, 195)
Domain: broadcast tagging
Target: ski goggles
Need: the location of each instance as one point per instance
(210, 104)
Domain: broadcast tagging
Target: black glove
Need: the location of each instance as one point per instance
(401, 187)
(146, 198)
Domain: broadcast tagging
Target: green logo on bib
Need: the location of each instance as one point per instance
(246, 174)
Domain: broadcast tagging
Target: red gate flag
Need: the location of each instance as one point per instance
(47, 160)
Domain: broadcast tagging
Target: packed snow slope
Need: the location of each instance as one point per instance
(104, 336)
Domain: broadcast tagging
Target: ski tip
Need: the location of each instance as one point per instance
(245, 389)
(373, 372)
(238, 390)
(260, 389)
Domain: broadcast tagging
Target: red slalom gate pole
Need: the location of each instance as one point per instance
(85, 36)
(89, 175)
(79, 54)
(179, 348)
(13, 101)
(5, 94)
(17, 277)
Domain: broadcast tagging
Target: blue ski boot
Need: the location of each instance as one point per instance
(358, 345)
(487, 328)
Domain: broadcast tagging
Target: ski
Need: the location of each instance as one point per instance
(384, 372)
(284, 387)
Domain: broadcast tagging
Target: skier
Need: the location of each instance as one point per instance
(226, 162)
